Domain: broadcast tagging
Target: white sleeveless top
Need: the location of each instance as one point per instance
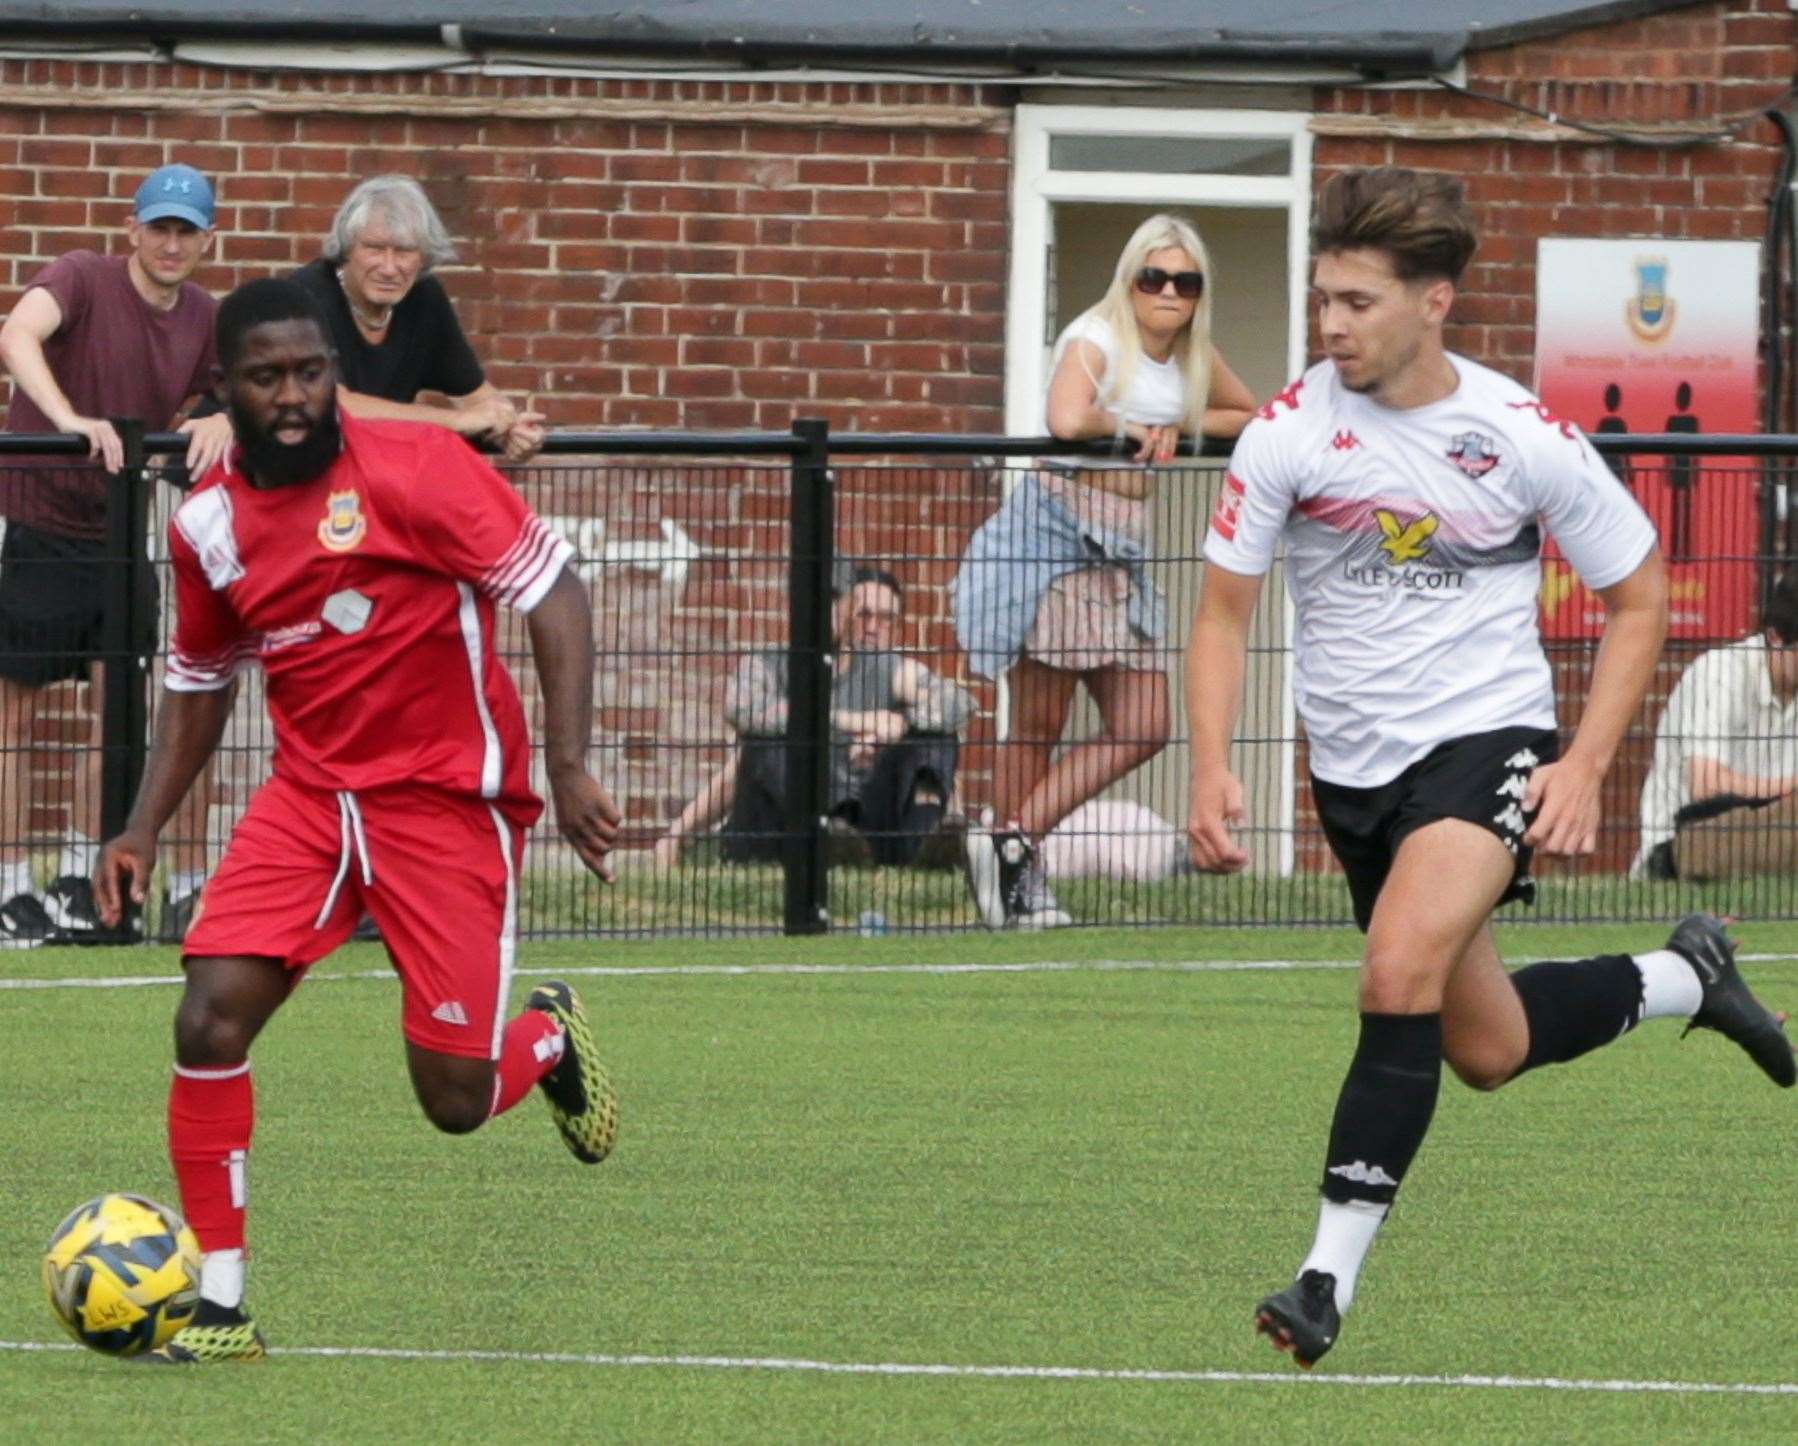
(1155, 397)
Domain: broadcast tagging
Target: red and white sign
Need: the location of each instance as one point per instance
(1659, 336)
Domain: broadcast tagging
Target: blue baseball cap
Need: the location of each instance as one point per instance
(178, 191)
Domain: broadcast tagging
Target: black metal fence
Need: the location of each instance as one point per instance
(727, 727)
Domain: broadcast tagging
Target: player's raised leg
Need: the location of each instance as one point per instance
(446, 897)
(548, 1044)
(1572, 1008)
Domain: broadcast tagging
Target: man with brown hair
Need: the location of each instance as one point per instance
(1410, 489)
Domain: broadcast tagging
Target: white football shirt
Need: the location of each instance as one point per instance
(1413, 541)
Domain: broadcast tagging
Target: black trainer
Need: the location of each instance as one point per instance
(1728, 1006)
(1015, 858)
(579, 1090)
(23, 922)
(217, 1335)
(1302, 1318)
(70, 903)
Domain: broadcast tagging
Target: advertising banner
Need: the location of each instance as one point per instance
(1659, 336)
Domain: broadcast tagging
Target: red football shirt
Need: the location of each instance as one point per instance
(367, 595)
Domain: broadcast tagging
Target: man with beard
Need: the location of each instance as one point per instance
(359, 562)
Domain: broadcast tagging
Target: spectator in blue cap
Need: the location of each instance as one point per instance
(93, 337)
(175, 192)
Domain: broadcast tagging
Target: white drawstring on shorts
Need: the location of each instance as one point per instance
(354, 844)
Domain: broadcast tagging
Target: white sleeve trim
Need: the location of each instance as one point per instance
(186, 674)
(524, 575)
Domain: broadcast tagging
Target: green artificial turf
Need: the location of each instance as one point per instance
(877, 1163)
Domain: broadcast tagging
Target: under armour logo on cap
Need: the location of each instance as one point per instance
(178, 192)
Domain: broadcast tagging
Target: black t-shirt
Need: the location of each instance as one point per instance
(425, 350)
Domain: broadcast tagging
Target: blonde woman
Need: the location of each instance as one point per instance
(1053, 592)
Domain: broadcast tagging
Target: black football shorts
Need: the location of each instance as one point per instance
(1479, 778)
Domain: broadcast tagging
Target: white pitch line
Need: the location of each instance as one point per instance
(649, 971)
(1032, 1373)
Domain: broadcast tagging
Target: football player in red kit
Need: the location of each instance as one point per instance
(359, 563)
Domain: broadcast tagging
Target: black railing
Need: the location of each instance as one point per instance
(754, 528)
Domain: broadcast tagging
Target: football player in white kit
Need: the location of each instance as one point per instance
(1411, 489)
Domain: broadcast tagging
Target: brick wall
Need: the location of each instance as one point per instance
(669, 254)
(731, 254)
(690, 255)
(1672, 75)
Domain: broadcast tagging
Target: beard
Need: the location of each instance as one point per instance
(270, 463)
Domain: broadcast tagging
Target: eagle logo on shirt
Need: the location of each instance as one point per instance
(343, 526)
(1405, 541)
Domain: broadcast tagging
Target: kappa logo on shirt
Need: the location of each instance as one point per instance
(1546, 417)
(1474, 454)
(343, 526)
(1288, 399)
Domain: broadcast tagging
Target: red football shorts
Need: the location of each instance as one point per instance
(438, 873)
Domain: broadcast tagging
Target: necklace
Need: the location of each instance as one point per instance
(373, 323)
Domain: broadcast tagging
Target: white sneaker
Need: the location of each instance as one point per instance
(981, 859)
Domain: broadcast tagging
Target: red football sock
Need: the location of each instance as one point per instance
(531, 1048)
(212, 1113)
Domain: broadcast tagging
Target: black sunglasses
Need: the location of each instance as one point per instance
(1188, 284)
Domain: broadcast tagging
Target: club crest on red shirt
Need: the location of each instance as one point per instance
(343, 526)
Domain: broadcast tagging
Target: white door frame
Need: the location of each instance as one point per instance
(1035, 187)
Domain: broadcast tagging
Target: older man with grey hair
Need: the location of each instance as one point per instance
(391, 322)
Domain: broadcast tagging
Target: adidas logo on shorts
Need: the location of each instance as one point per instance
(451, 1012)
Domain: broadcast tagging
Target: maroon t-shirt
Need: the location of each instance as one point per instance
(114, 355)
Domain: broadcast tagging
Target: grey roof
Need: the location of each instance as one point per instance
(1386, 35)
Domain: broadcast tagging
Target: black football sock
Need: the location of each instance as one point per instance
(1573, 1008)
(1382, 1116)
(1385, 1107)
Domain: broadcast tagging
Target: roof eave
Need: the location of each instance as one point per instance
(1381, 57)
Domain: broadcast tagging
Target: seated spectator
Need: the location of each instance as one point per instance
(1727, 749)
(893, 740)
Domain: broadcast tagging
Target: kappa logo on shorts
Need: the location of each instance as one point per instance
(343, 526)
(1511, 819)
(451, 1012)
